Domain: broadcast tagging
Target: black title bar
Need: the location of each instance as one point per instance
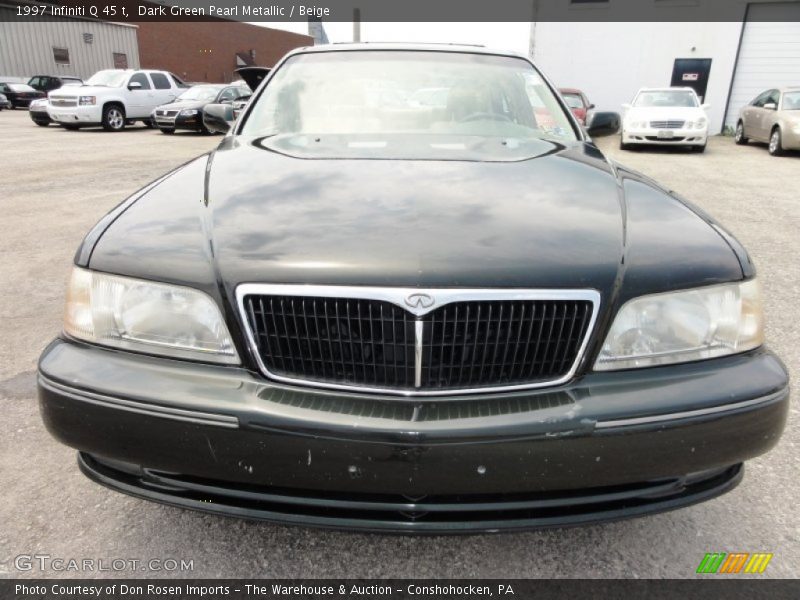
(401, 10)
(712, 587)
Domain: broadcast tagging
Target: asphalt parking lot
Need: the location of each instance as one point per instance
(57, 183)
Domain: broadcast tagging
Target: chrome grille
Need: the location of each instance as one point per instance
(501, 339)
(63, 102)
(667, 124)
(166, 113)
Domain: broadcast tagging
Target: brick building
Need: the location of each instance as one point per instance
(210, 51)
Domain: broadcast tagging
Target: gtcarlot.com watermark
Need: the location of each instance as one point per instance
(47, 562)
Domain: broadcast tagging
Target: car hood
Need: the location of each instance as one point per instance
(552, 221)
(73, 91)
(665, 113)
(183, 105)
(249, 215)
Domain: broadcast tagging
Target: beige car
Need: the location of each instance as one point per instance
(773, 117)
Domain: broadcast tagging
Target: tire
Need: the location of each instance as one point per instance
(776, 143)
(113, 117)
(168, 131)
(739, 136)
(70, 126)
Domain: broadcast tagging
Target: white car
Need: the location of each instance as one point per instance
(665, 116)
(114, 98)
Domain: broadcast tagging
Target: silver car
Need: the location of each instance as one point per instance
(773, 117)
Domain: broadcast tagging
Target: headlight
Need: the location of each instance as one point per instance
(145, 316)
(87, 100)
(638, 124)
(38, 103)
(701, 123)
(188, 112)
(684, 326)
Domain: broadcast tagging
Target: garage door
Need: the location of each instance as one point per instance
(769, 56)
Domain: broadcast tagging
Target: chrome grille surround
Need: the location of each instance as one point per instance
(398, 297)
(667, 124)
(63, 102)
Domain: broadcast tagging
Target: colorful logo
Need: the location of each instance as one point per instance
(734, 562)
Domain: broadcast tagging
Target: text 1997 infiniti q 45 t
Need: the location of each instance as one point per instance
(363, 312)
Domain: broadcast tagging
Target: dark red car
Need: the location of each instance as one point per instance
(20, 94)
(578, 103)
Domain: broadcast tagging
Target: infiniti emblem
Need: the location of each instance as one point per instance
(419, 300)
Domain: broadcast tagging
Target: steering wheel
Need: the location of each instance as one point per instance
(485, 116)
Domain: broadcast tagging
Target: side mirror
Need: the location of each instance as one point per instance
(603, 123)
(706, 106)
(771, 106)
(218, 117)
(626, 106)
(590, 107)
(134, 85)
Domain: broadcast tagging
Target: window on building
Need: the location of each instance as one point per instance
(61, 56)
(120, 60)
(140, 78)
(160, 81)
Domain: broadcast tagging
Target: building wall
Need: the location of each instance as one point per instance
(26, 48)
(610, 61)
(207, 51)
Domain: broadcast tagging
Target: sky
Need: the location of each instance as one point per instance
(499, 36)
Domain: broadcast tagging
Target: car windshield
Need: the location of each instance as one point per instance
(573, 100)
(791, 101)
(200, 92)
(408, 104)
(654, 98)
(108, 78)
(20, 87)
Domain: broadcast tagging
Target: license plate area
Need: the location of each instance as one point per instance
(666, 134)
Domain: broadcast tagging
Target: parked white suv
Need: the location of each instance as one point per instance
(114, 98)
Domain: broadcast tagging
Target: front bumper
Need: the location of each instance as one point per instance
(191, 122)
(221, 439)
(679, 137)
(77, 115)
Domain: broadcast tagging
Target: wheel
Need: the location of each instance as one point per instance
(113, 118)
(42, 123)
(168, 131)
(775, 143)
(70, 126)
(739, 137)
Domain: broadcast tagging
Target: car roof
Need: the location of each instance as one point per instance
(416, 46)
(667, 89)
